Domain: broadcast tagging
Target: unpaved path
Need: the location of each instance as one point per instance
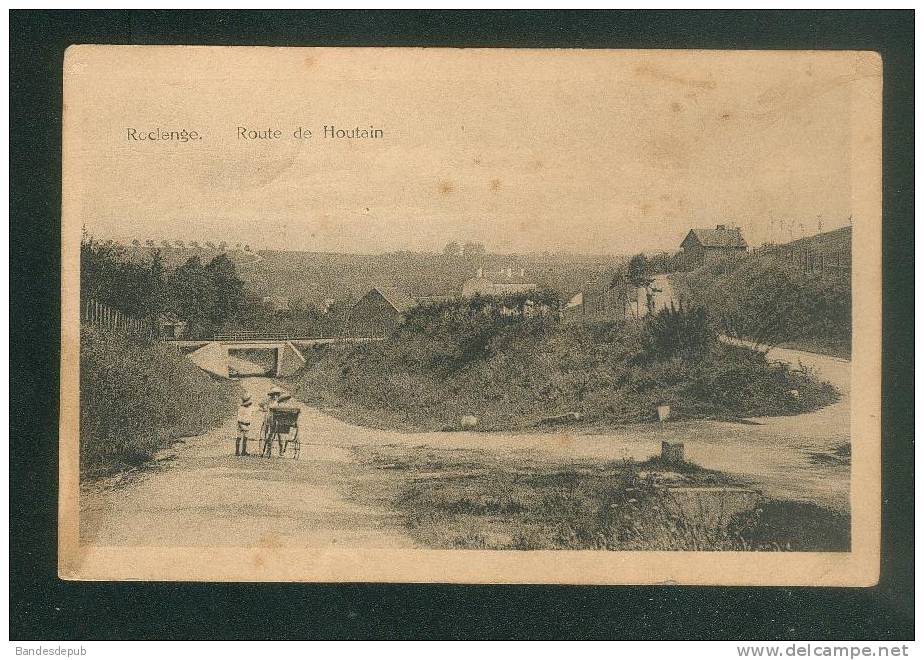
(199, 493)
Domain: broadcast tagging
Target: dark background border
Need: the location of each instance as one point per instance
(43, 607)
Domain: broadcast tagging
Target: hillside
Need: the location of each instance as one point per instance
(829, 243)
(779, 296)
(510, 372)
(136, 397)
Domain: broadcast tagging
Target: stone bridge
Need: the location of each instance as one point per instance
(213, 355)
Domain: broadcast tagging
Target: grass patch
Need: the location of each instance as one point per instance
(477, 500)
(136, 397)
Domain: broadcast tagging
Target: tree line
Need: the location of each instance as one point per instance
(208, 294)
(468, 250)
(204, 294)
(221, 246)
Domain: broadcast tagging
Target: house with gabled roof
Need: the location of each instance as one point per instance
(379, 311)
(713, 244)
(499, 283)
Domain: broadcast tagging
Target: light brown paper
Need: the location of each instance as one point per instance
(583, 151)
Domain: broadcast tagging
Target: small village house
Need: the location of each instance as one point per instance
(276, 303)
(595, 302)
(170, 326)
(499, 283)
(379, 311)
(707, 245)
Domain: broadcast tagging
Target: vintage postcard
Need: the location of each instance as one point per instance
(471, 315)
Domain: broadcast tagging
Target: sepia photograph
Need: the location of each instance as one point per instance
(471, 315)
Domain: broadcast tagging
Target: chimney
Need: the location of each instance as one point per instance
(521, 272)
(720, 227)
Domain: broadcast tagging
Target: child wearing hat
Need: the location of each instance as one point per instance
(244, 418)
(271, 397)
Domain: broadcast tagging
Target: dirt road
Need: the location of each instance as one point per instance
(199, 493)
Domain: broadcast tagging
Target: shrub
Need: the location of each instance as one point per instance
(512, 372)
(678, 332)
(137, 396)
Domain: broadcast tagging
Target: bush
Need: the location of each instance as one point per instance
(512, 372)
(773, 303)
(678, 332)
(136, 397)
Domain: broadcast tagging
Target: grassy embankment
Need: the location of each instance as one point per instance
(482, 500)
(773, 302)
(450, 361)
(136, 397)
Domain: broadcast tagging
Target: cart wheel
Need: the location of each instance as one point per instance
(296, 445)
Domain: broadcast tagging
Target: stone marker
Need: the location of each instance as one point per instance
(664, 412)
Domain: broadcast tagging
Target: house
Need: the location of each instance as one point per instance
(276, 303)
(713, 244)
(170, 326)
(499, 283)
(595, 302)
(379, 311)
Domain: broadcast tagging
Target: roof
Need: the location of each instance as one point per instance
(395, 297)
(501, 278)
(435, 299)
(720, 238)
(575, 299)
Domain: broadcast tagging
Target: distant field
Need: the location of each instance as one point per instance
(314, 276)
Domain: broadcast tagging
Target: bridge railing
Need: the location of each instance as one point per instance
(254, 335)
(250, 335)
(260, 336)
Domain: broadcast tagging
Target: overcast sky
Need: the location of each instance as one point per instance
(594, 151)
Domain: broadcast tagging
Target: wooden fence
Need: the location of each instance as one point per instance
(810, 261)
(102, 316)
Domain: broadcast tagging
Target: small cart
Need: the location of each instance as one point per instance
(282, 427)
